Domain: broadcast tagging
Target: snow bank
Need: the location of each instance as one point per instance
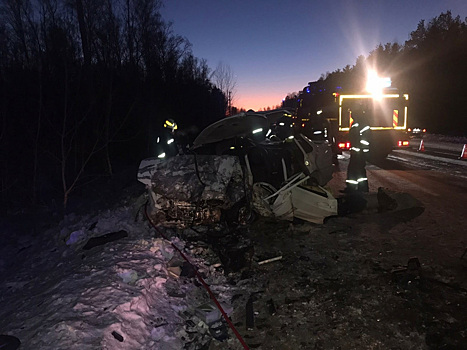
(115, 296)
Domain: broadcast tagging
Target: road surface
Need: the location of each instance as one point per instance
(439, 234)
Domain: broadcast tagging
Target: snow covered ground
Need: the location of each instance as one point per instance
(120, 295)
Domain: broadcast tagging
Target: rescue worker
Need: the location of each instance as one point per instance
(283, 128)
(317, 128)
(167, 145)
(357, 180)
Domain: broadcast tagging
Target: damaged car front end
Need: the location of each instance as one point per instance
(194, 189)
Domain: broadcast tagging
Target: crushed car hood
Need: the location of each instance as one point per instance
(192, 189)
(236, 126)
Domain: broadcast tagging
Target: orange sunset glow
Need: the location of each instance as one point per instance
(258, 102)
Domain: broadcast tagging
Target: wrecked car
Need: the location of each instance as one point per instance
(234, 166)
(268, 159)
(194, 189)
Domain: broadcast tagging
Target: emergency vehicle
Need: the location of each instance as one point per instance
(385, 109)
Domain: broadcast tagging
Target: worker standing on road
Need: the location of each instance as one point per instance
(359, 148)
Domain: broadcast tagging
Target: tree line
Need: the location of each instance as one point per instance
(84, 88)
(430, 66)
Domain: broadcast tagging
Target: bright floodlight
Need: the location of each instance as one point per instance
(375, 84)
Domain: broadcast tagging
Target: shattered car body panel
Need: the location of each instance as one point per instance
(192, 189)
(295, 200)
(317, 157)
(313, 204)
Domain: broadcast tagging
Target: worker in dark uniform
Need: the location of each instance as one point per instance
(316, 129)
(166, 143)
(283, 128)
(359, 148)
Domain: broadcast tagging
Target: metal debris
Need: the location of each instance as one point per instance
(117, 336)
(209, 313)
(295, 199)
(267, 261)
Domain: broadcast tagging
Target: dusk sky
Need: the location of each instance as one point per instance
(276, 47)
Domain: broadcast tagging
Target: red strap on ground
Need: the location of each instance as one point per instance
(211, 294)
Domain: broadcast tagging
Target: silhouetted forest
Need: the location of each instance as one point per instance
(84, 87)
(431, 66)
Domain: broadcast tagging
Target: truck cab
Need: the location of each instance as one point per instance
(386, 114)
(385, 109)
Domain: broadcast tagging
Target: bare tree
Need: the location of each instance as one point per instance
(18, 16)
(83, 31)
(224, 79)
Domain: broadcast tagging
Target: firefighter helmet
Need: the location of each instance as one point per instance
(170, 124)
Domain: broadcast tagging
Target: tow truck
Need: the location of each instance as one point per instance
(384, 106)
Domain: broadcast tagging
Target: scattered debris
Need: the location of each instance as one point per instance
(174, 271)
(267, 261)
(188, 270)
(101, 240)
(219, 331)
(210, 313)
(174, 266)
(128, 276)
(117, 336)
(271, 307)
(235, 251)
(407, 275)
(174, 289)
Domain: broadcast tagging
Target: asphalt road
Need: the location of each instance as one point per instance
(440, 184)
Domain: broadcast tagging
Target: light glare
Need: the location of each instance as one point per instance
(376, 84)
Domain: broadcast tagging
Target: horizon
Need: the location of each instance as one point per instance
(276, 50)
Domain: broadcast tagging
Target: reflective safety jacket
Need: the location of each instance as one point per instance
(359, 147)
(166, 144)
(359, 137)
